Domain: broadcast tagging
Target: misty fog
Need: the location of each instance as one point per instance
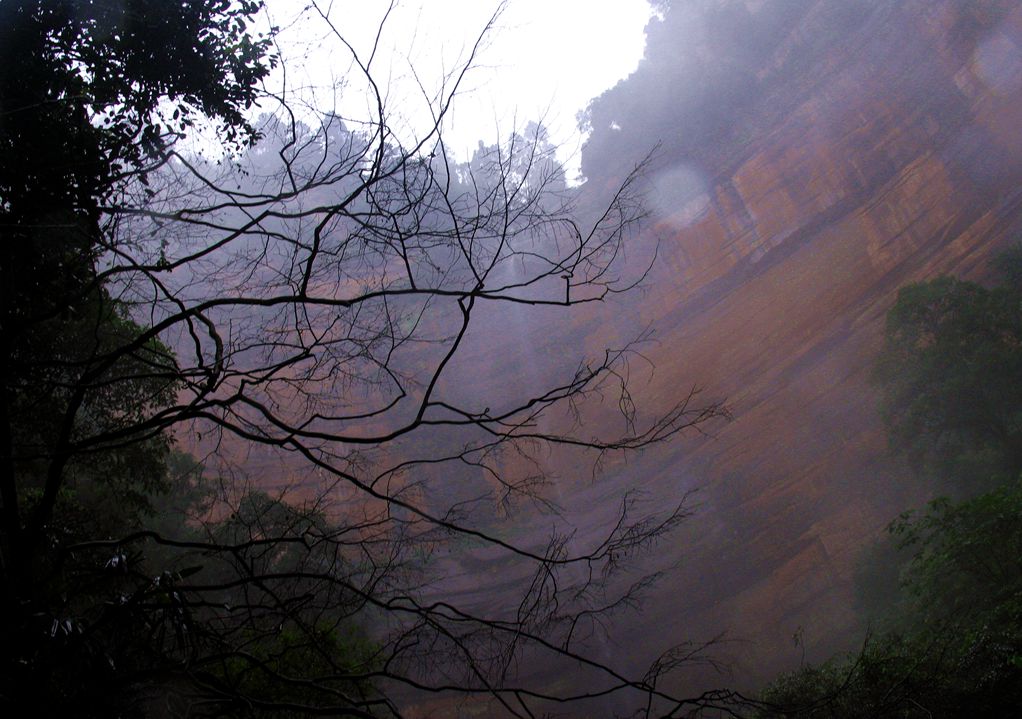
(310, 411)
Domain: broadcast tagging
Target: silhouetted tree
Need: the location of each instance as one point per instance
(326, 302)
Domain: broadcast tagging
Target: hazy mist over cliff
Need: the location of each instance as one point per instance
(811, 157)
(511, 359)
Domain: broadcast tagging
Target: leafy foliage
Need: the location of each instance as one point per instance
(210, 618)
(967, 560)
(93, 94)
(957, 647)
(78, 367)
(949, 371)
(85, 89)
(952, 643)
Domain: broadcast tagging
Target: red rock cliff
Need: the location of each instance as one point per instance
(853, 148)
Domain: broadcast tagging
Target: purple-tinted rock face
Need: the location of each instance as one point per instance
(808, 168)
(815, 155)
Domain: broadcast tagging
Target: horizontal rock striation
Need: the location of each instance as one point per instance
(856, 148)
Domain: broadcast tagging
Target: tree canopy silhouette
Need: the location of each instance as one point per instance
(325, 301)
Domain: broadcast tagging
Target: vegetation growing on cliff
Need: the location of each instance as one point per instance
(950, 644)
(949, 374)
(954, 645)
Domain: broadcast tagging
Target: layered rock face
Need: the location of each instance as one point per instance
(815, 157)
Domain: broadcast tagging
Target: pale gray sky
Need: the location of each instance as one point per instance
(545, 58)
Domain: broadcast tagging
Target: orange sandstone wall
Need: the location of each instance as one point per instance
(889, 155)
